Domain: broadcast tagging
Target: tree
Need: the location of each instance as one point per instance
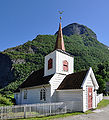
(101, 83)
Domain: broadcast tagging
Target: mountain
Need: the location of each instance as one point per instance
(77, 29)
(18, 62)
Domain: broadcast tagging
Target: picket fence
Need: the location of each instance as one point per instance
(34, 110)
(99, 98)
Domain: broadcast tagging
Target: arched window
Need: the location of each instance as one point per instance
(43, 94)
(65, 65)
(16, 96)
(25, 94)
(50, 63)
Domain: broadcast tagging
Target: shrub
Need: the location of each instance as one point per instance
(4, 101)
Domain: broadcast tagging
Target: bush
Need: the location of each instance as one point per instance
(4, 101)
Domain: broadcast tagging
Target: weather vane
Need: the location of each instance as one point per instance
(60, 12)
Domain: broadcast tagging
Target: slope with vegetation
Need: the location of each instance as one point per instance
(17, 63)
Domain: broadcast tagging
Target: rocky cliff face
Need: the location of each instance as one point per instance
(6, 70)
(78, 29)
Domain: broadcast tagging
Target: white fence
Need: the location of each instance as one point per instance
(34, 110)
(99, 98)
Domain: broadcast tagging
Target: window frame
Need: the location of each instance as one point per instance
(43, 95)
(16, 95)
(25, 94)
(50, 63)
(65, 66)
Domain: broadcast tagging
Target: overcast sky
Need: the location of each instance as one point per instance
(23, 20)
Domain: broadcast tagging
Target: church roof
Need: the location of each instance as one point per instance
(35, 79)
(73, 81)
(59, 40)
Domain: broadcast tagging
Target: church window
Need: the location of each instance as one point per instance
(43, 95)
(16, 96)
(25, 94)
(50, 63)
(65, 65)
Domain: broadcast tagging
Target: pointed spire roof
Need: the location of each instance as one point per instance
(59, 40)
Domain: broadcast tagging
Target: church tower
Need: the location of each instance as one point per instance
(59, 61)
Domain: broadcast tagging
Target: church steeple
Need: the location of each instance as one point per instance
(59, 40)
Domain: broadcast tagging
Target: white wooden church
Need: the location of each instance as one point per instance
(57, 82)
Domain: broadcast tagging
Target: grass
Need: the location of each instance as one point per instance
(102, 104)
(53, 117)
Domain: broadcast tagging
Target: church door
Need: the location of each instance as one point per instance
(89, 97)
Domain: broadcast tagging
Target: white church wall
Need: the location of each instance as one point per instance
(60, 57)
(94, 104)
(17, 97)
(55, 82)
(47, 72)
(88, 83)
(71, 95)
(33, 95)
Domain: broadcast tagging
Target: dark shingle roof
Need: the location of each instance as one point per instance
(73, 81)
(35, 79)
(17, 90)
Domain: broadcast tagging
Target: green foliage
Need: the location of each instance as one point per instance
(5, 101)
(101, 83)
(102, 76)
(103, 103)
(30, 57)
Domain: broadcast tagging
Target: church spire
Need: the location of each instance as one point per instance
(59, 40)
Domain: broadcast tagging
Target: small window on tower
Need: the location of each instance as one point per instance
(65, 65)
(50, 63)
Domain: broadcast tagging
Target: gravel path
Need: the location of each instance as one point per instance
(101, 114)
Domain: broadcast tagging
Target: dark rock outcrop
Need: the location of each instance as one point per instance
(78, 29)
(6, 70)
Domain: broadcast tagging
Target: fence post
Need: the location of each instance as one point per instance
(2, 112)
(24, 111)
(30, 110)
(50, 108)
(65, 108)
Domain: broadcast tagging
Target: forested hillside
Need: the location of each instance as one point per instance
(17, 63)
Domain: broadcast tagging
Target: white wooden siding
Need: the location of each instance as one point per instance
(47, 72)
(69, 96)
(58, 58)
(33, 95)
(17, 97)
(88, 83)
(55, 82)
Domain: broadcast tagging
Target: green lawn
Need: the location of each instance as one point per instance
(52, 117)
(102, 104)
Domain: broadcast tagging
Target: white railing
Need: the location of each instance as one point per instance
(99, 98)
(34, 110)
